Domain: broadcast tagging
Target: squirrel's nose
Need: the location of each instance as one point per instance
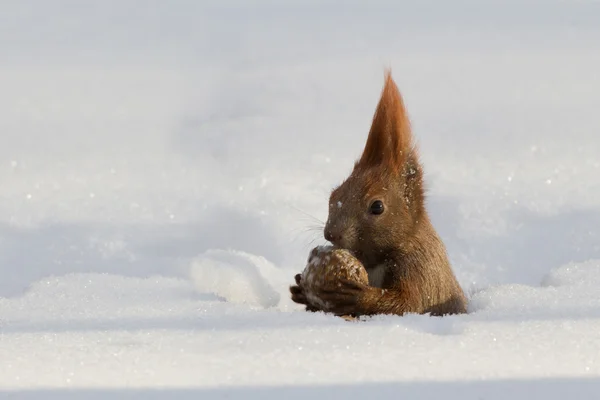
(331, 236)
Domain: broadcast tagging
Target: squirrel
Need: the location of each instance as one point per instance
(378, 214)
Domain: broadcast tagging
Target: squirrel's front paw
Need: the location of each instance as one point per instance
(345, 297)
(298, 295)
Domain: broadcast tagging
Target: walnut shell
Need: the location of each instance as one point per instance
(327, 265)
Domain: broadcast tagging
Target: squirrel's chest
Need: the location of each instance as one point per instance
(376, 276)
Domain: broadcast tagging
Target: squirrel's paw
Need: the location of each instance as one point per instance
(343, 298)
(298, 295)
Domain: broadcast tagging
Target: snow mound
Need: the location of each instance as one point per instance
(237, 277)
(567, 291)
(574, 274)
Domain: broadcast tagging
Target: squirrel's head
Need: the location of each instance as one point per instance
(377, 209)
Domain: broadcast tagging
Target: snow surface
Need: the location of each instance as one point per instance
(165, 168)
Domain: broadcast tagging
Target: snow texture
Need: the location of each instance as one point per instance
(166, 168)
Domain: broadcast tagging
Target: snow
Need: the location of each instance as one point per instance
(165, 171)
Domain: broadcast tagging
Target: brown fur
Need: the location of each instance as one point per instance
(409, 271)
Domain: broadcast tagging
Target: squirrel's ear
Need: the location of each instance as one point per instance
(390, 140)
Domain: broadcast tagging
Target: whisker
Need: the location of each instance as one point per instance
(298, 230)
(303, 233)
(307, 214)
(312, 242)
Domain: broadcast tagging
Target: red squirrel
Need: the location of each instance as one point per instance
(378, 214)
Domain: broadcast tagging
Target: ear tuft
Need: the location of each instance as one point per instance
(390, 140)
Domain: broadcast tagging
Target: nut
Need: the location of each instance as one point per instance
(325, 267)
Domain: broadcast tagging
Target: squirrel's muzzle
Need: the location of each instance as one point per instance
(339, 236)
(332, 237)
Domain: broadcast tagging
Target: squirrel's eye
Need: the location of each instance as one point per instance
(376, 207)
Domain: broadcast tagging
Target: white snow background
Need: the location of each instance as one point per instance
(163, 166)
